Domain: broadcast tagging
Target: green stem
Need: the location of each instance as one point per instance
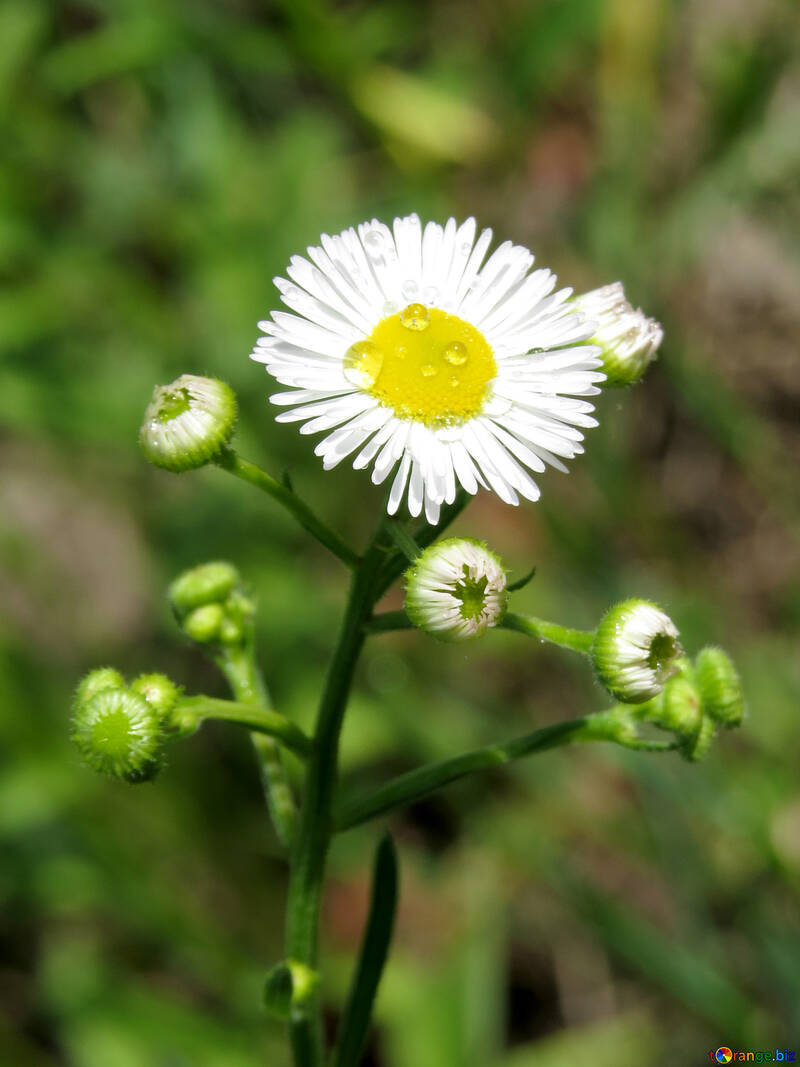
(577, 640)
(313, 838)
(397, 563)
(238, 666)
(258, 719)
(408, 788)
(387, 621)
(249, 472)
(404, 541)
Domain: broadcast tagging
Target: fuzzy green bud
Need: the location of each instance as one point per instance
(204, 624)
(696, 747)
(720, 687)
(629, 340)
(96, 681)
(635, 650)
(118, 733)
(456, 589)
(207, 584)
(680, 707)
(188, 423)
(159, 692)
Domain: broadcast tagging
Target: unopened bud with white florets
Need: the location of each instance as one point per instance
(629, 339)
(188, 423)
(636, 649)
(456, 589)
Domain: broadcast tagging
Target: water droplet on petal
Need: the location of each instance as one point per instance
(430, 295)
(415, 317)
(373, 243)
(409, 289)
(291, 292)
(497, 405)
(465, 248)
(362, 364)
(390, 308)
(456, 354)
(429, 370)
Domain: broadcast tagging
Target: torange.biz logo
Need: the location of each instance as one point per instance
(727, 1055)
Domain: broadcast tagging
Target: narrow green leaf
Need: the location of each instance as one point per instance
(404, 541)
(522, 582)
(374, 950)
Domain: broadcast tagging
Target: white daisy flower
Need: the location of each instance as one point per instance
(628, 338)
(410, 352)
(456, 589)
(636, 649)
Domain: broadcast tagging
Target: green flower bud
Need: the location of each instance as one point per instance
(720, 687)
(203, 625)
(629, 339)
(118, 733)
(188, 422)
(231, 631)
(456, 589)
(207, 584)
(635, 650)
(159, 692)
(696, 747)
(680, 708)
(96, 681)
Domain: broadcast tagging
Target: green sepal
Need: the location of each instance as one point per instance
(520, 583)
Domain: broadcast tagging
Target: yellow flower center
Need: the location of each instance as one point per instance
(425, 364)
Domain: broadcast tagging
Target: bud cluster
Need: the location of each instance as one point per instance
(638, 657)
(210, 605)
(119, 729)
(696, 702)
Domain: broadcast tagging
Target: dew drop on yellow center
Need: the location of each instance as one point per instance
(425, 364)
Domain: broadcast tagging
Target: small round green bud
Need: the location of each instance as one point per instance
(456, 589)
(696, 747)
(96, 681)
(680, 707)
(720, 687)
(203, 625)
(635, 650)
(188, 422)
(207, 584)
(119, 733)
(629, 339)
(230, 631)
(159, 692)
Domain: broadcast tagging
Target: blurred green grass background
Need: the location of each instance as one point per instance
(160, 161)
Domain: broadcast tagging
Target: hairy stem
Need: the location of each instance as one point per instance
(408, 788)
(247, 685)
(388, 621)
(249, 472)
(313, 838)
(258, 719)
(577, 640)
